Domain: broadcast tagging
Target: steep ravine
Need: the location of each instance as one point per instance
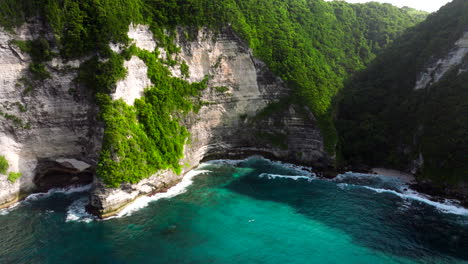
(64, 136)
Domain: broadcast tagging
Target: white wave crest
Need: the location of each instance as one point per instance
(76, 212)
(343, 186)
(36, 196)
(354, 175)
(307, 171)
(292, 177)
(7, 210)
(447, 206)
(303, 169)
(143, 201)
(222, 162)
(67, 191)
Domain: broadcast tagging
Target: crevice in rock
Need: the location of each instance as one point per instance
(52, 174)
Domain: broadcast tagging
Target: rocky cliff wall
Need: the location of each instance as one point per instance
(47, 128)
(64, 134)
(227, 126)
(438, 69)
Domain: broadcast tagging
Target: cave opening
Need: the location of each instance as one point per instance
(50, 175)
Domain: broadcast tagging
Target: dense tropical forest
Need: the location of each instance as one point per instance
(313, 45)
(384, 120)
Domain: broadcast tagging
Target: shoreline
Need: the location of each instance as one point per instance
(408, 179)
(402, 176)
(12, 203)
(433, 191)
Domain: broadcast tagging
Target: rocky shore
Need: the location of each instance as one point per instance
(436, 191)
(230, 124)
(61, 144)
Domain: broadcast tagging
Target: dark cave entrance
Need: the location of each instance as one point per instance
(51, 174)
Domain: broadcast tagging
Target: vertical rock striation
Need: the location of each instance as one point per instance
(228, 126)
(51, 121)
(51, 133)
(437, 70)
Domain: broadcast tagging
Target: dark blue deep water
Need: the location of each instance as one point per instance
(252, 211)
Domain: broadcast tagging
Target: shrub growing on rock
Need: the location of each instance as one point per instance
(13, 176)
(3, 165)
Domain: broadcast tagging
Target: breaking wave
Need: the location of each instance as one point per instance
(67, 191)
(143, 201)
(447, 206)
(76, 212)
(385, 184)
(36, 196)
(291, 177)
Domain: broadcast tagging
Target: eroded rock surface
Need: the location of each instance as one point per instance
(135, 82)
(42, 120)
(437, 70)
(228, 126)
(57, 132)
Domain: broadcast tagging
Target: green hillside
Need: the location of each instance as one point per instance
(313, 45)
(384, 121)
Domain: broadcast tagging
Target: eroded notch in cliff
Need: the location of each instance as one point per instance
(62, 173)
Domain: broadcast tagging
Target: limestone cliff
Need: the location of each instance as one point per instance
(47, 127)
(228, 126)
(438, 69)
(61, 141)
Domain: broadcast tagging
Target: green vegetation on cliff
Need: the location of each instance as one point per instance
(39, 50)
(311, 44)
(3, 165)
(143, 139)
(14, 176)
(383, 120)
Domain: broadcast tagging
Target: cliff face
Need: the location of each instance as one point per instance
(228, 125)
(47, 127)
(438, 69)
(240, 87)
(59, 141)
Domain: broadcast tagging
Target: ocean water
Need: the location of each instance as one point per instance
(250, 211)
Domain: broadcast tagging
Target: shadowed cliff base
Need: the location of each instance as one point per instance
(51, 174)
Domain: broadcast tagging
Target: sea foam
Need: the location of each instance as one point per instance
(67, 191)
(36, 196)
(6, 211)
(353, 175)
(222, 162)
(143, 201)
(291, 177)
(76, 212)
(402, 190)
(302, 169)
(448, 206)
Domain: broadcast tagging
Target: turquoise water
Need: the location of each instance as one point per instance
(251, 211)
